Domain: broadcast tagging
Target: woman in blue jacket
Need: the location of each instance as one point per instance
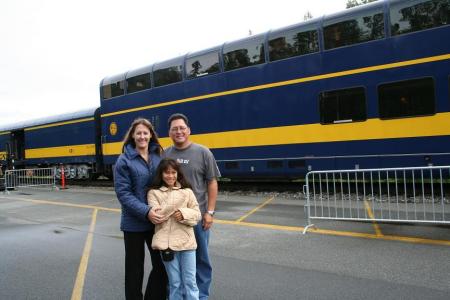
(133, 174)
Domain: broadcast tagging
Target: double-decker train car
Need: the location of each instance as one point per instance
(67, 141)
(364, 88)
(367, 87)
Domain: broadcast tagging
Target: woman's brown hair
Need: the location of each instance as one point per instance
(129, 140)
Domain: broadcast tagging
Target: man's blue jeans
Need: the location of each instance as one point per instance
(204, 269)
(181, 273)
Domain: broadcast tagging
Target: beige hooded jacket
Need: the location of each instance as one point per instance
(171, 234)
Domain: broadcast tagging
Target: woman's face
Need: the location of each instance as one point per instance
(169, 176)
(141, 136)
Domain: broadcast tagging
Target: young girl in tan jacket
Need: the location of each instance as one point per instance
(172, 198)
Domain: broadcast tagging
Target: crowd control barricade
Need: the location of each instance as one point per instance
(30, 178)
(416, 195)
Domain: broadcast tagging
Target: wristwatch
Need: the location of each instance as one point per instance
(211, 212)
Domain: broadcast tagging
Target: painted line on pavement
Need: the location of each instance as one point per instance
(255, 209)
(406, 239)
(375, 224)
(64, 204)
(77, 293)
(102, 202)
(300, 229)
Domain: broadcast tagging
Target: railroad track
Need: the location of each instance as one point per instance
(223, 185)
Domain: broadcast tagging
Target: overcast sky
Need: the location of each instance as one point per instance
(54, 53)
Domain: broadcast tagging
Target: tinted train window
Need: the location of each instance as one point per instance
(231, 165)
(354, 29)
(296, 164)
(342, 106)
(293, 43)
(167, 75)
(114, 89)
(275, 164)
(138, 83)
(406, 98)
(417, 15)
(202, 65)
(243, 54)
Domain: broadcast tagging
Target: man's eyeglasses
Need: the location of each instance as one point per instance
(176, 129)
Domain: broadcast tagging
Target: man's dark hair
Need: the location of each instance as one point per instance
(178, 116)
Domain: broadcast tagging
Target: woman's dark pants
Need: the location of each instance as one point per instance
(134, 268)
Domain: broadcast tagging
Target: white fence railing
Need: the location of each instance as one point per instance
(30, 178)
(418, 195)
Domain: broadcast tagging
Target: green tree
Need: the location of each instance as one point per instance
(307, 16)
(352, 3)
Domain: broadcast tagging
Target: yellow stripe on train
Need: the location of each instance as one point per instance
(62, 151)
(59, 124)
(436, 125)
(288, 82)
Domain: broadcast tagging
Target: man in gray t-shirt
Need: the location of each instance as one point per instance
(200, 168)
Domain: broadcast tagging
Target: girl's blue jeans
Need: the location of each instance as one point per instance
(181, 272)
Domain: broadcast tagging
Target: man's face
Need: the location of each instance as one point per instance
(179, 133)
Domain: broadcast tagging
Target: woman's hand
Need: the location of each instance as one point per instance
(155, 217)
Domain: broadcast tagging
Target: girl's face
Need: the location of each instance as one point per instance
(169, 176)
(141, 136)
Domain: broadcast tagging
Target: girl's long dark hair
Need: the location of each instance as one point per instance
(164, 165)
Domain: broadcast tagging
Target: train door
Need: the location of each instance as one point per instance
(17, 147)
(98, 143)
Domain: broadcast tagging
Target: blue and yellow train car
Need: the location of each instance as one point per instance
(67, 140)
(4, 143)
(364, 88)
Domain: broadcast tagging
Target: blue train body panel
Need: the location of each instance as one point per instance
(282, 97)
(64, 139)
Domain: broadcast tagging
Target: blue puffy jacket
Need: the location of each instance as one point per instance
(132, 178)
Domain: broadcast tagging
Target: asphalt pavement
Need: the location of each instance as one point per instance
(67, 245)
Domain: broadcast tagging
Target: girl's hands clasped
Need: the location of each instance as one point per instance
(178, 216)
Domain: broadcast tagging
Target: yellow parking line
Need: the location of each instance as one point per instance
(375, 224)
(255, 209)
(406, 239)
(65, 204)
(101, 202)
(77, 292)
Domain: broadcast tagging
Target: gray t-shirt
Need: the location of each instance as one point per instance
(199, 167)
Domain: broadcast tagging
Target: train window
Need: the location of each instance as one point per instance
(366, 26)
(410, 16)
(243, 54)
(202, 65)
(406, 98)
(296, 164)
(293, 43)
(275, 164)
(163, 75)
(114, 89)
(231, 165)
(342, 106)
(138, 83)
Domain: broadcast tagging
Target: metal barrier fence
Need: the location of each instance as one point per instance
(415, 195)
(30, 178)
